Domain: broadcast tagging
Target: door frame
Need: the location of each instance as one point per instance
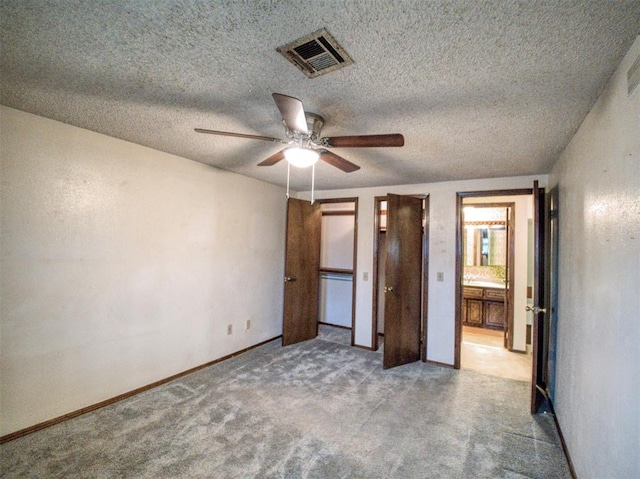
(539, 339)
(354, 274)
(425, 273)
(511, 212)
(458, 266)
(551, 287)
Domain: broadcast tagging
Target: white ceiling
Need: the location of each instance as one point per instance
(478, 88)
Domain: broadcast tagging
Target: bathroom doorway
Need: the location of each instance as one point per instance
(495, 274)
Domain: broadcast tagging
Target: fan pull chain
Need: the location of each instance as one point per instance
(313, 181)
(288, 175)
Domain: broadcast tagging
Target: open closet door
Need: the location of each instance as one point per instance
(301, 277)
(538, 388)
(403, 281)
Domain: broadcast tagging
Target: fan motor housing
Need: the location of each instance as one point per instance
(314, 124)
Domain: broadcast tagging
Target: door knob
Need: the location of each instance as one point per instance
(388, 289)
(289, 279)
(535, 309)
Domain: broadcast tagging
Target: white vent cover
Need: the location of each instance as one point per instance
(633, 77)
(316, 54)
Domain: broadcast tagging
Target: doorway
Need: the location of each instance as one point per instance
(337, 271)
(495, 278)
(400, 278)
(320, 251)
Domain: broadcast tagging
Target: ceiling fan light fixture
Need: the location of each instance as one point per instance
(301, 157)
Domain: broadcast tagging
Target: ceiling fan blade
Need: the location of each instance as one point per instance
(273, 159)
(337, 161)
(364, 141)
(292, 112)
(239, 135)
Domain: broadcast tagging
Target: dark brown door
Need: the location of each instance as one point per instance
(301, 277)
(538, 387)
(403, 281)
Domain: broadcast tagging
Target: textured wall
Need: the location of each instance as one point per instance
(442, 258)
(598, 348)
(121, 265)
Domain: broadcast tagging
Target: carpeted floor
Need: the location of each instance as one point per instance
(320, 409)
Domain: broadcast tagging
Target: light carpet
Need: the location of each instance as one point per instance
(319, 409)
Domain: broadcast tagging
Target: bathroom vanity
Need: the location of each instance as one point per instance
(483, 306)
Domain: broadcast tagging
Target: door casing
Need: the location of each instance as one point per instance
(354, 278)
(511, 208)
(539, 339)
(458, 274)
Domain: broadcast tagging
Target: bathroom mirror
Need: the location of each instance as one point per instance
(485, 245)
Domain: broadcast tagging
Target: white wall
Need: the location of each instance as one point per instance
(336, 241)
(336, 291)
(598, 344)
(442, 244)
(121, 265)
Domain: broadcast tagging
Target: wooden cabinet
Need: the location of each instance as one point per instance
(483, 307)
(472, 306)
(475, 311)
(494, 315)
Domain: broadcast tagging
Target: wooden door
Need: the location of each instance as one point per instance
(538, 388)
(301, 277)
(403, 281)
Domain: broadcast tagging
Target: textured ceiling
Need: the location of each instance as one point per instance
(478, 88)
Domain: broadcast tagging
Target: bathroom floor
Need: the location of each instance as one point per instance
(482, 350)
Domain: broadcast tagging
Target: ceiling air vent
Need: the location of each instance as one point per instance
(633, 77)
(316, 54)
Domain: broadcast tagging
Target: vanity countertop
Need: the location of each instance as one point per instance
(483, 284)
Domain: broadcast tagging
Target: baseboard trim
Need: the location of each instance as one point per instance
(120, 397)
(334, 325)
(437, 363)
(572, 471)
(366, 348)
(518, 351)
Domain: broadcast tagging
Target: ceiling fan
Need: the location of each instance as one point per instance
(304, 145)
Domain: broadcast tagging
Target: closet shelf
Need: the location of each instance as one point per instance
(336, 270)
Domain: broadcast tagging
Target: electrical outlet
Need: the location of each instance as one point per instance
(440, 276)
(365, 276)
(230, 329)
(248, 324)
